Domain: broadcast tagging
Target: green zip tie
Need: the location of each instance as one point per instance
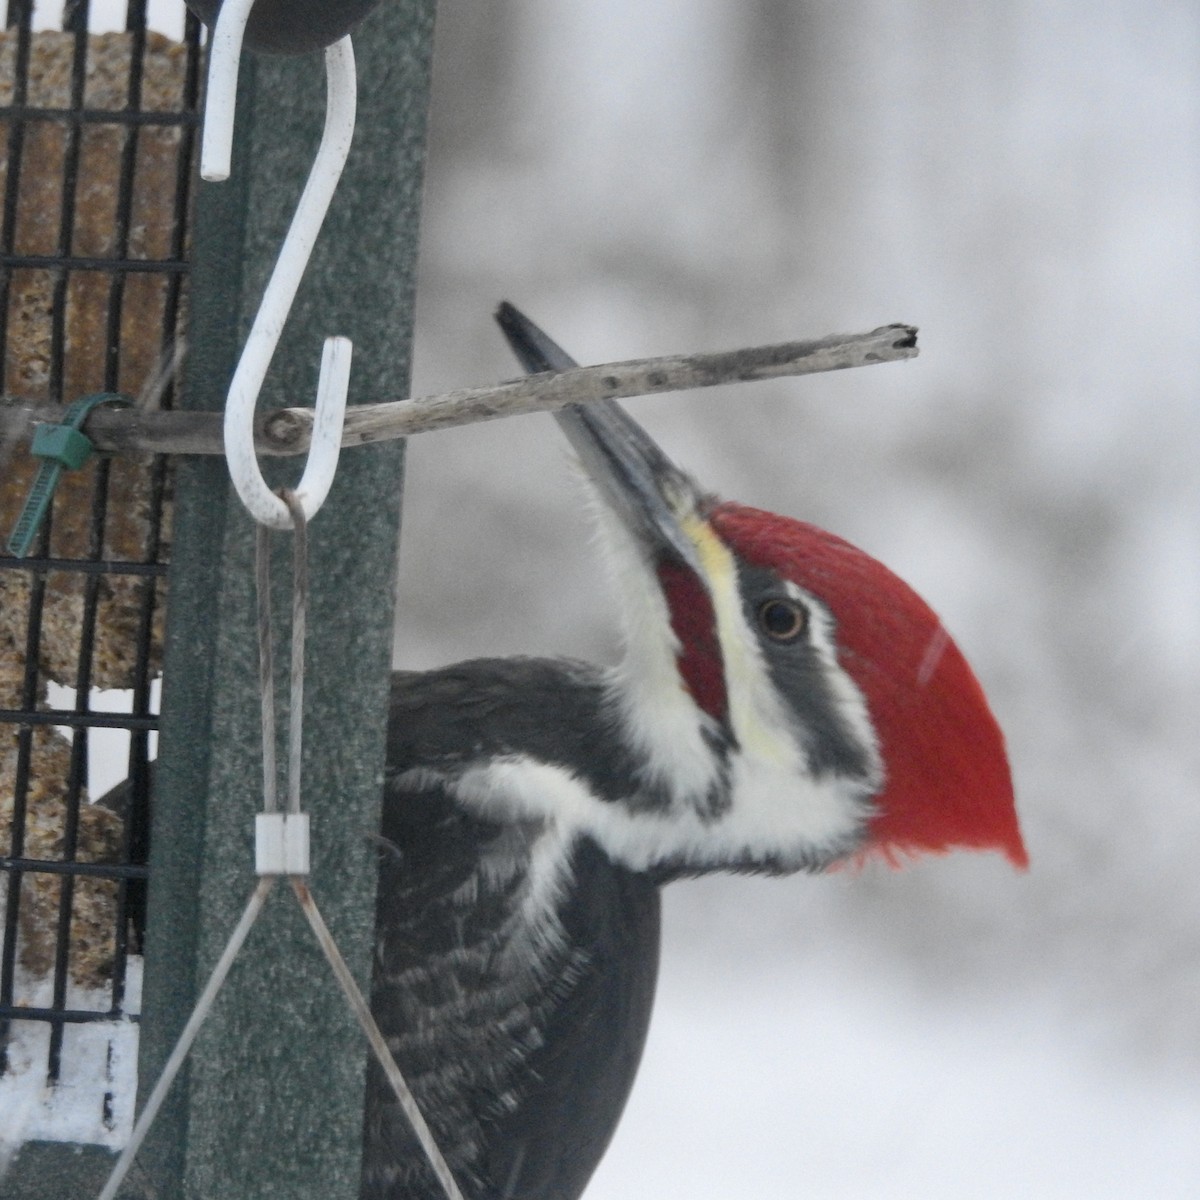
(60, 447)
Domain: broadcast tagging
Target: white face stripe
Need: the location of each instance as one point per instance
(755, 712)
(851, 703)
(659, 715)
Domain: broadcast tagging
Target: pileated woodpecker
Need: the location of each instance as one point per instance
(784, 703)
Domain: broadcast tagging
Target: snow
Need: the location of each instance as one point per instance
(92, 1102)
(832, 1082)
(108, 749)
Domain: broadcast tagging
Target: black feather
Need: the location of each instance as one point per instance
(519, 1037)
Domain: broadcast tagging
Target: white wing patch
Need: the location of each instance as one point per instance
(779, 817)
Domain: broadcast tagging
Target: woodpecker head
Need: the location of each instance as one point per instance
(792, 702)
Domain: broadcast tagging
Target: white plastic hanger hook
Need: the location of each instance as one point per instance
(277, 300)
(224, 56)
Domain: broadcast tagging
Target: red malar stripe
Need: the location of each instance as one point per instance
(695, 625)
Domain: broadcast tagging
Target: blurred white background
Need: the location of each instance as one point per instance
(1021, 180)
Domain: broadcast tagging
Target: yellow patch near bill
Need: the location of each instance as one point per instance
(753, 706)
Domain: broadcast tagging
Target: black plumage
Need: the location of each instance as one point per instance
(518, 1020)
(532, 808)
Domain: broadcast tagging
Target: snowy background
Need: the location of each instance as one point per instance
(1021, 181)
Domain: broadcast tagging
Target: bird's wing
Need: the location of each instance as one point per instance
(514, 969)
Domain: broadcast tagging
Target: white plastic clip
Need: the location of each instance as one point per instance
(277, 300)
(281, 843)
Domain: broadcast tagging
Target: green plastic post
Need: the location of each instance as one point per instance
(271, 1104)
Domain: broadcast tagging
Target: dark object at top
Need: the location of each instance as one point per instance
(292, 26)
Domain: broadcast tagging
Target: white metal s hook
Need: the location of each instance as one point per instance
(280, 292)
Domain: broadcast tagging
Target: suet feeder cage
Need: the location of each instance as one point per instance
(98, 133)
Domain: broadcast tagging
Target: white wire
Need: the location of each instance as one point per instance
(199, 1014)
(375, 1039)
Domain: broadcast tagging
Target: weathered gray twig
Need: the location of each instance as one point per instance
(285, 431)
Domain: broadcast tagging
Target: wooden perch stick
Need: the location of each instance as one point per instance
(285, 431)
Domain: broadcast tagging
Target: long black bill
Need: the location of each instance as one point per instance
(643, 487)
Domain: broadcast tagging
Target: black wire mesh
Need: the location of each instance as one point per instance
(98, 132)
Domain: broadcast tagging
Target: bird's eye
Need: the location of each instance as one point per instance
(782, 620)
